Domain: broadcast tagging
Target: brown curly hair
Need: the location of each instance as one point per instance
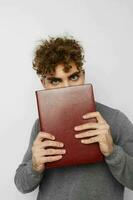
(55, 51)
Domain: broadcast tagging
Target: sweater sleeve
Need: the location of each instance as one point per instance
(26, 179)
(120, 161)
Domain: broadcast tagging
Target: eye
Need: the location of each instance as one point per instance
(54, 82)
(75, 77)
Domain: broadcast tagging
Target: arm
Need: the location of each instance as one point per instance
(120, 161)
(26, 179)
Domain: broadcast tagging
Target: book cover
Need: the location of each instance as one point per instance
(59, 111)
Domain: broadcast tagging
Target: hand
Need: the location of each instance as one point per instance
(101, 133)
(40, 155)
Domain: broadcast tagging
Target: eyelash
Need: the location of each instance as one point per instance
(70, 77)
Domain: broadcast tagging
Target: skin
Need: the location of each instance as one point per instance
(101, 132)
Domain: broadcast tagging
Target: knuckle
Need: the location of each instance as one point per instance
(57, 144)
(53, 158)
(46, 143)
(49, 134)
(87, 133)
(51, 151)
(48, 159)
(50, 143)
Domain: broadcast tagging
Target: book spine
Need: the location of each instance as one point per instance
(36, 93)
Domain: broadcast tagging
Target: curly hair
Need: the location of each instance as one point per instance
(55, 51)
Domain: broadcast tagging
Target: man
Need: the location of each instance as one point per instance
(58, 62)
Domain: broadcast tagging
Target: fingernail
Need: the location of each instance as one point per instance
(75, 128)
(84, 116)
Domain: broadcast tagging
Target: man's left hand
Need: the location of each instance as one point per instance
(101, 133)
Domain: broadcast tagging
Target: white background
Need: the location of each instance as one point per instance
(105, 29)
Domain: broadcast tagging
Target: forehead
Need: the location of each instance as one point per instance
(59, 71)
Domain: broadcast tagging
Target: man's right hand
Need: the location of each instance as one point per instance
(40, 155)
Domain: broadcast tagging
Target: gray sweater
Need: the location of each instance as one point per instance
(99, 181)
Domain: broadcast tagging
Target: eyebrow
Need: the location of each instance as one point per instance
(57, 78)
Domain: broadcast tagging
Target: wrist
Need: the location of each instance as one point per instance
(110, 151)
(37, 168)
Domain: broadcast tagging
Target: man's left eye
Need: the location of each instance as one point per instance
(73, 77)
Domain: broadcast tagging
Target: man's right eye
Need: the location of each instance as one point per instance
(54, 82)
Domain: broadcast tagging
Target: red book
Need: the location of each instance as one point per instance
(60, 110)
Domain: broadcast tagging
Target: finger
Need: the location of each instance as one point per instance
(89, 133)
(48, 152)
(86, 126)
(94, 114)
(91, 125)
(49, 143)
(54, 151)
(50, 158)
(91, 140)
(44, 135)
